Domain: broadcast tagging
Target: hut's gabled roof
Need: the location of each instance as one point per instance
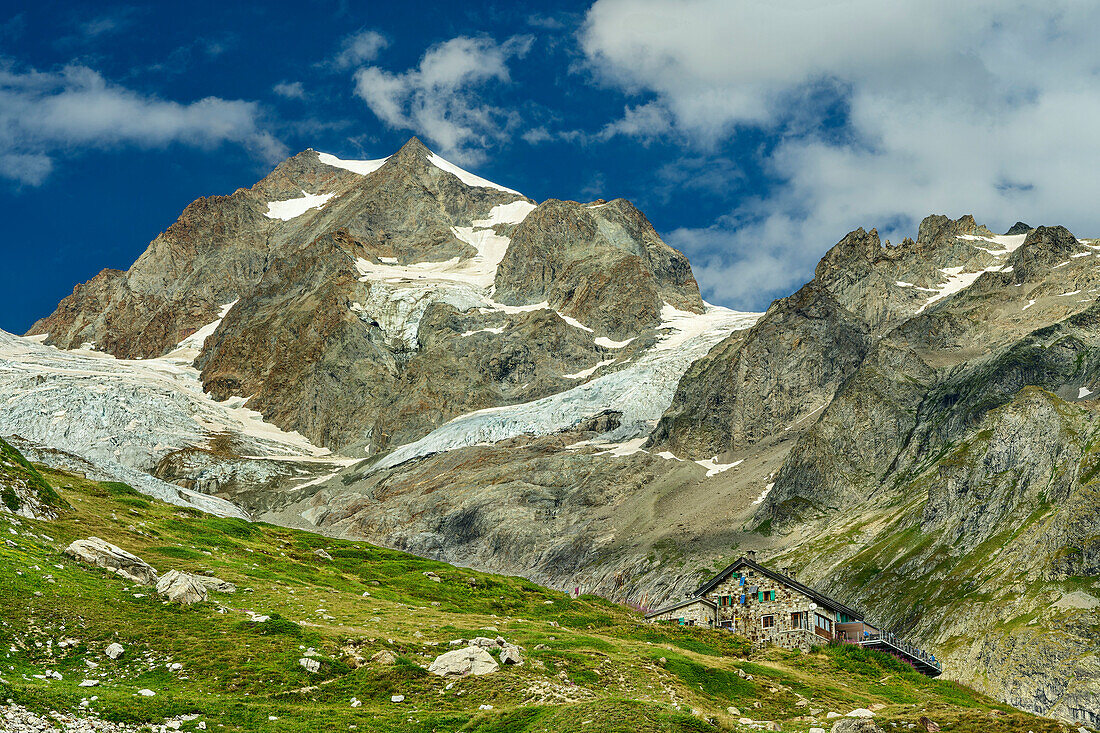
(819, 598)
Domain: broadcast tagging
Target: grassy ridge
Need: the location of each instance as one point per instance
(589, 664)
(14, 467)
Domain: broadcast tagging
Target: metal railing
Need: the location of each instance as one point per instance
(903, 647)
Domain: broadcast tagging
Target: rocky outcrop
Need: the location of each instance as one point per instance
(1043, 248)
(750, 386)
(602, 264)
(102, 554)
(885, 284)
(23, 490)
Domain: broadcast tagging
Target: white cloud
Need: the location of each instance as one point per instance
(646, 122)
(982, 107)
(290, 90)
(441, 98)
(44, 115)
(359, 48)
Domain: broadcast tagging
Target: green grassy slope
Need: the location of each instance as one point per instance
(15, 470)
(589, 665)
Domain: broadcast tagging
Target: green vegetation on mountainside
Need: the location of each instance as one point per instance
(15, 469)
(589, 665)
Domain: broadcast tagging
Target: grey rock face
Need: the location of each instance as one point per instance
(757, 384)
(1043, 248)
(602, 264)
(990, 480)
(102, 554)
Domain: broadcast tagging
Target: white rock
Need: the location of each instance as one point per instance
(114, 651)
(311, 665)
(484, 642)
(861, 713)
(181, 587)
(356, 703)
(397, 698)
(510, 655)
(484, 707)
(89, 683)
(103, 554)
(146, 693)
(462, 662)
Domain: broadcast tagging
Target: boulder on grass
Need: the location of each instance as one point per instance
(103, 554)
(182, 587)
(855, 725)
(510, 655)
(463, 662)
(484, 642)
(383, 657)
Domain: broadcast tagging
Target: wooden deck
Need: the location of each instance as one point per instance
(924, 662)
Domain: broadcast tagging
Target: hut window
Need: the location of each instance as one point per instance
(767, 622)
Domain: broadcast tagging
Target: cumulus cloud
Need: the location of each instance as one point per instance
(982, 107)
(442, 98)
(359, 48)
(645, 122)
(290, 90)
(46, 115)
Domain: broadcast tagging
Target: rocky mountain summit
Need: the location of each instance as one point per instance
(400, 351)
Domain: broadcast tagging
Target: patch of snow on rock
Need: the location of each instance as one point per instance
(763, 494)
(362, 167)
(584, 373)
(196, 340)
(293, 208)
(574, 322)
(956, 281)
(607, 343)
(465, 176)
(714, 467)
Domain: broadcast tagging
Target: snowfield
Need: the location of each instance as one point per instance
(641, 392)
(125, 415)
(399, 295)
(293, 208)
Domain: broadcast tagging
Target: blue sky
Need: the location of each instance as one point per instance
(754, 135)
